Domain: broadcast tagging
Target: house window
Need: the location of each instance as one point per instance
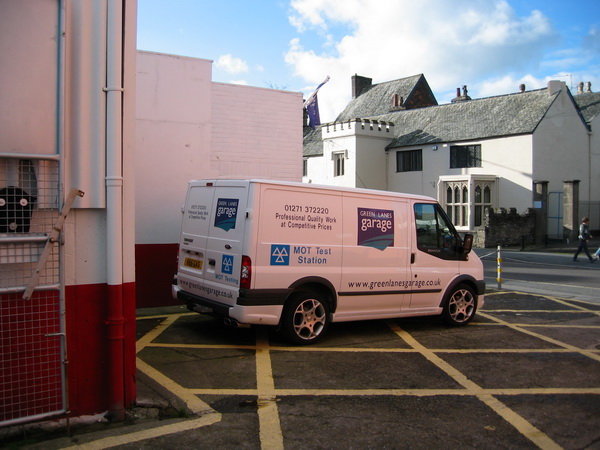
(462, 156)
(481, 201)
(409, 161)
(338, 163)
(457, 203)
(466, 200)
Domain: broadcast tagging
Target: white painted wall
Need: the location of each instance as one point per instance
(364, 144)
(189, 128)
(28, 78)
(561, 148)
(256, 132)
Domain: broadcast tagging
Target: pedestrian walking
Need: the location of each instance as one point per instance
(584, 237)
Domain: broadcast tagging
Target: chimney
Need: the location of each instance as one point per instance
(580, 88)
(555, 86)
(588, 86)
(360, 85)
(461, 98)
(521, 88)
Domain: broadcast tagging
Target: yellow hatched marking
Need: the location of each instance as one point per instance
(138, 436)
(520, 423)
(156, 331)
(521, 328)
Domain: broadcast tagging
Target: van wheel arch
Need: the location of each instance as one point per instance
(460, 303)
(317, 285)
(305, 317)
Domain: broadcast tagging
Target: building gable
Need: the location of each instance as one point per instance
(377, 99)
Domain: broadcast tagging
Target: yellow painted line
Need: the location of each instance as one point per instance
(155, 332)
(271, 436)
(202, 346)
(138, 436)
(522, 328)
(529, 311)
(402, 392)
(520, 423)
(194, 404)
(158, 316)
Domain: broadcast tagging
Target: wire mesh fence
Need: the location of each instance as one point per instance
(32, 382)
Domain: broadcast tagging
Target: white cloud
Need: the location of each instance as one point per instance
(231, 65)
(451, 43)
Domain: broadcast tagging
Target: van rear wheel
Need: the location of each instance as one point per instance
(305, 318)
(461, 305)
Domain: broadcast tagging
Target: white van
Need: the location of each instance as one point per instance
(300, 256)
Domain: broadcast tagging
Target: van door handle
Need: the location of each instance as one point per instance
(412, 258)
(211, 262)
(228, 247)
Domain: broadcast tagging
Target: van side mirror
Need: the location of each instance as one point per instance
(467, 243)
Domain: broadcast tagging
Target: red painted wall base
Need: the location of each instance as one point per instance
(87, 348)
(155, 265)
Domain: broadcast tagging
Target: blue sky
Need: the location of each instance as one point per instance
(492, 46)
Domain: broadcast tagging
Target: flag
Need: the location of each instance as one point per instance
(313, 113)
(312, 106)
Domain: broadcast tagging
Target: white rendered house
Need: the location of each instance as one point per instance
(469, 154)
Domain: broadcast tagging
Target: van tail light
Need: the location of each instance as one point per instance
(246, 272)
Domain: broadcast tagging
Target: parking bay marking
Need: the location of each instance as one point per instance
(520, 423)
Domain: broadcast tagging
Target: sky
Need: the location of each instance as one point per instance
(491, 46)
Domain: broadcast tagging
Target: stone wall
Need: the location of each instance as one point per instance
(506, 228)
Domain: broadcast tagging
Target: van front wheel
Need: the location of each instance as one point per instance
(461, 305)
(305, 318)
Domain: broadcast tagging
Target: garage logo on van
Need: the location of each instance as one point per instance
(375, 228)
(226, 213)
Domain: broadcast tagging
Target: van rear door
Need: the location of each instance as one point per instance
(212, 236)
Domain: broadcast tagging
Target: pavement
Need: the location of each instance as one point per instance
(161, 407)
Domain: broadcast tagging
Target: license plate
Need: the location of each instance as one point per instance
(193, 263)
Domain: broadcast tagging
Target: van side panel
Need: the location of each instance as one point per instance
(299, 236)
(376, 257)
(380, 254)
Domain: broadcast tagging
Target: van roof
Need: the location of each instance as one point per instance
(223, 181)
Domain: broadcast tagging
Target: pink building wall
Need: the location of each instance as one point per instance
(188, 127)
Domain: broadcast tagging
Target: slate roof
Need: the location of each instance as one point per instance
(313, 143)
(484, 118)
(377, 99)
(505, 115)
(589, 105)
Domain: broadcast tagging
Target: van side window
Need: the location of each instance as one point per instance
(435, 233)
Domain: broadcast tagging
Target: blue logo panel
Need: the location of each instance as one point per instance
(280, 255)
(227, 264)
(226, 214)
(375, 228)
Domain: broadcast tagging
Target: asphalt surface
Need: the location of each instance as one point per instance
(524, 374)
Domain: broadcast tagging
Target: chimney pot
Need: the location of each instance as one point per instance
(588, 86)
(522, 88)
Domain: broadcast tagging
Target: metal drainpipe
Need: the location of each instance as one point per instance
(114, 203)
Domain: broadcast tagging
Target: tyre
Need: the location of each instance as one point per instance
(305, 318)
(461, 305)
